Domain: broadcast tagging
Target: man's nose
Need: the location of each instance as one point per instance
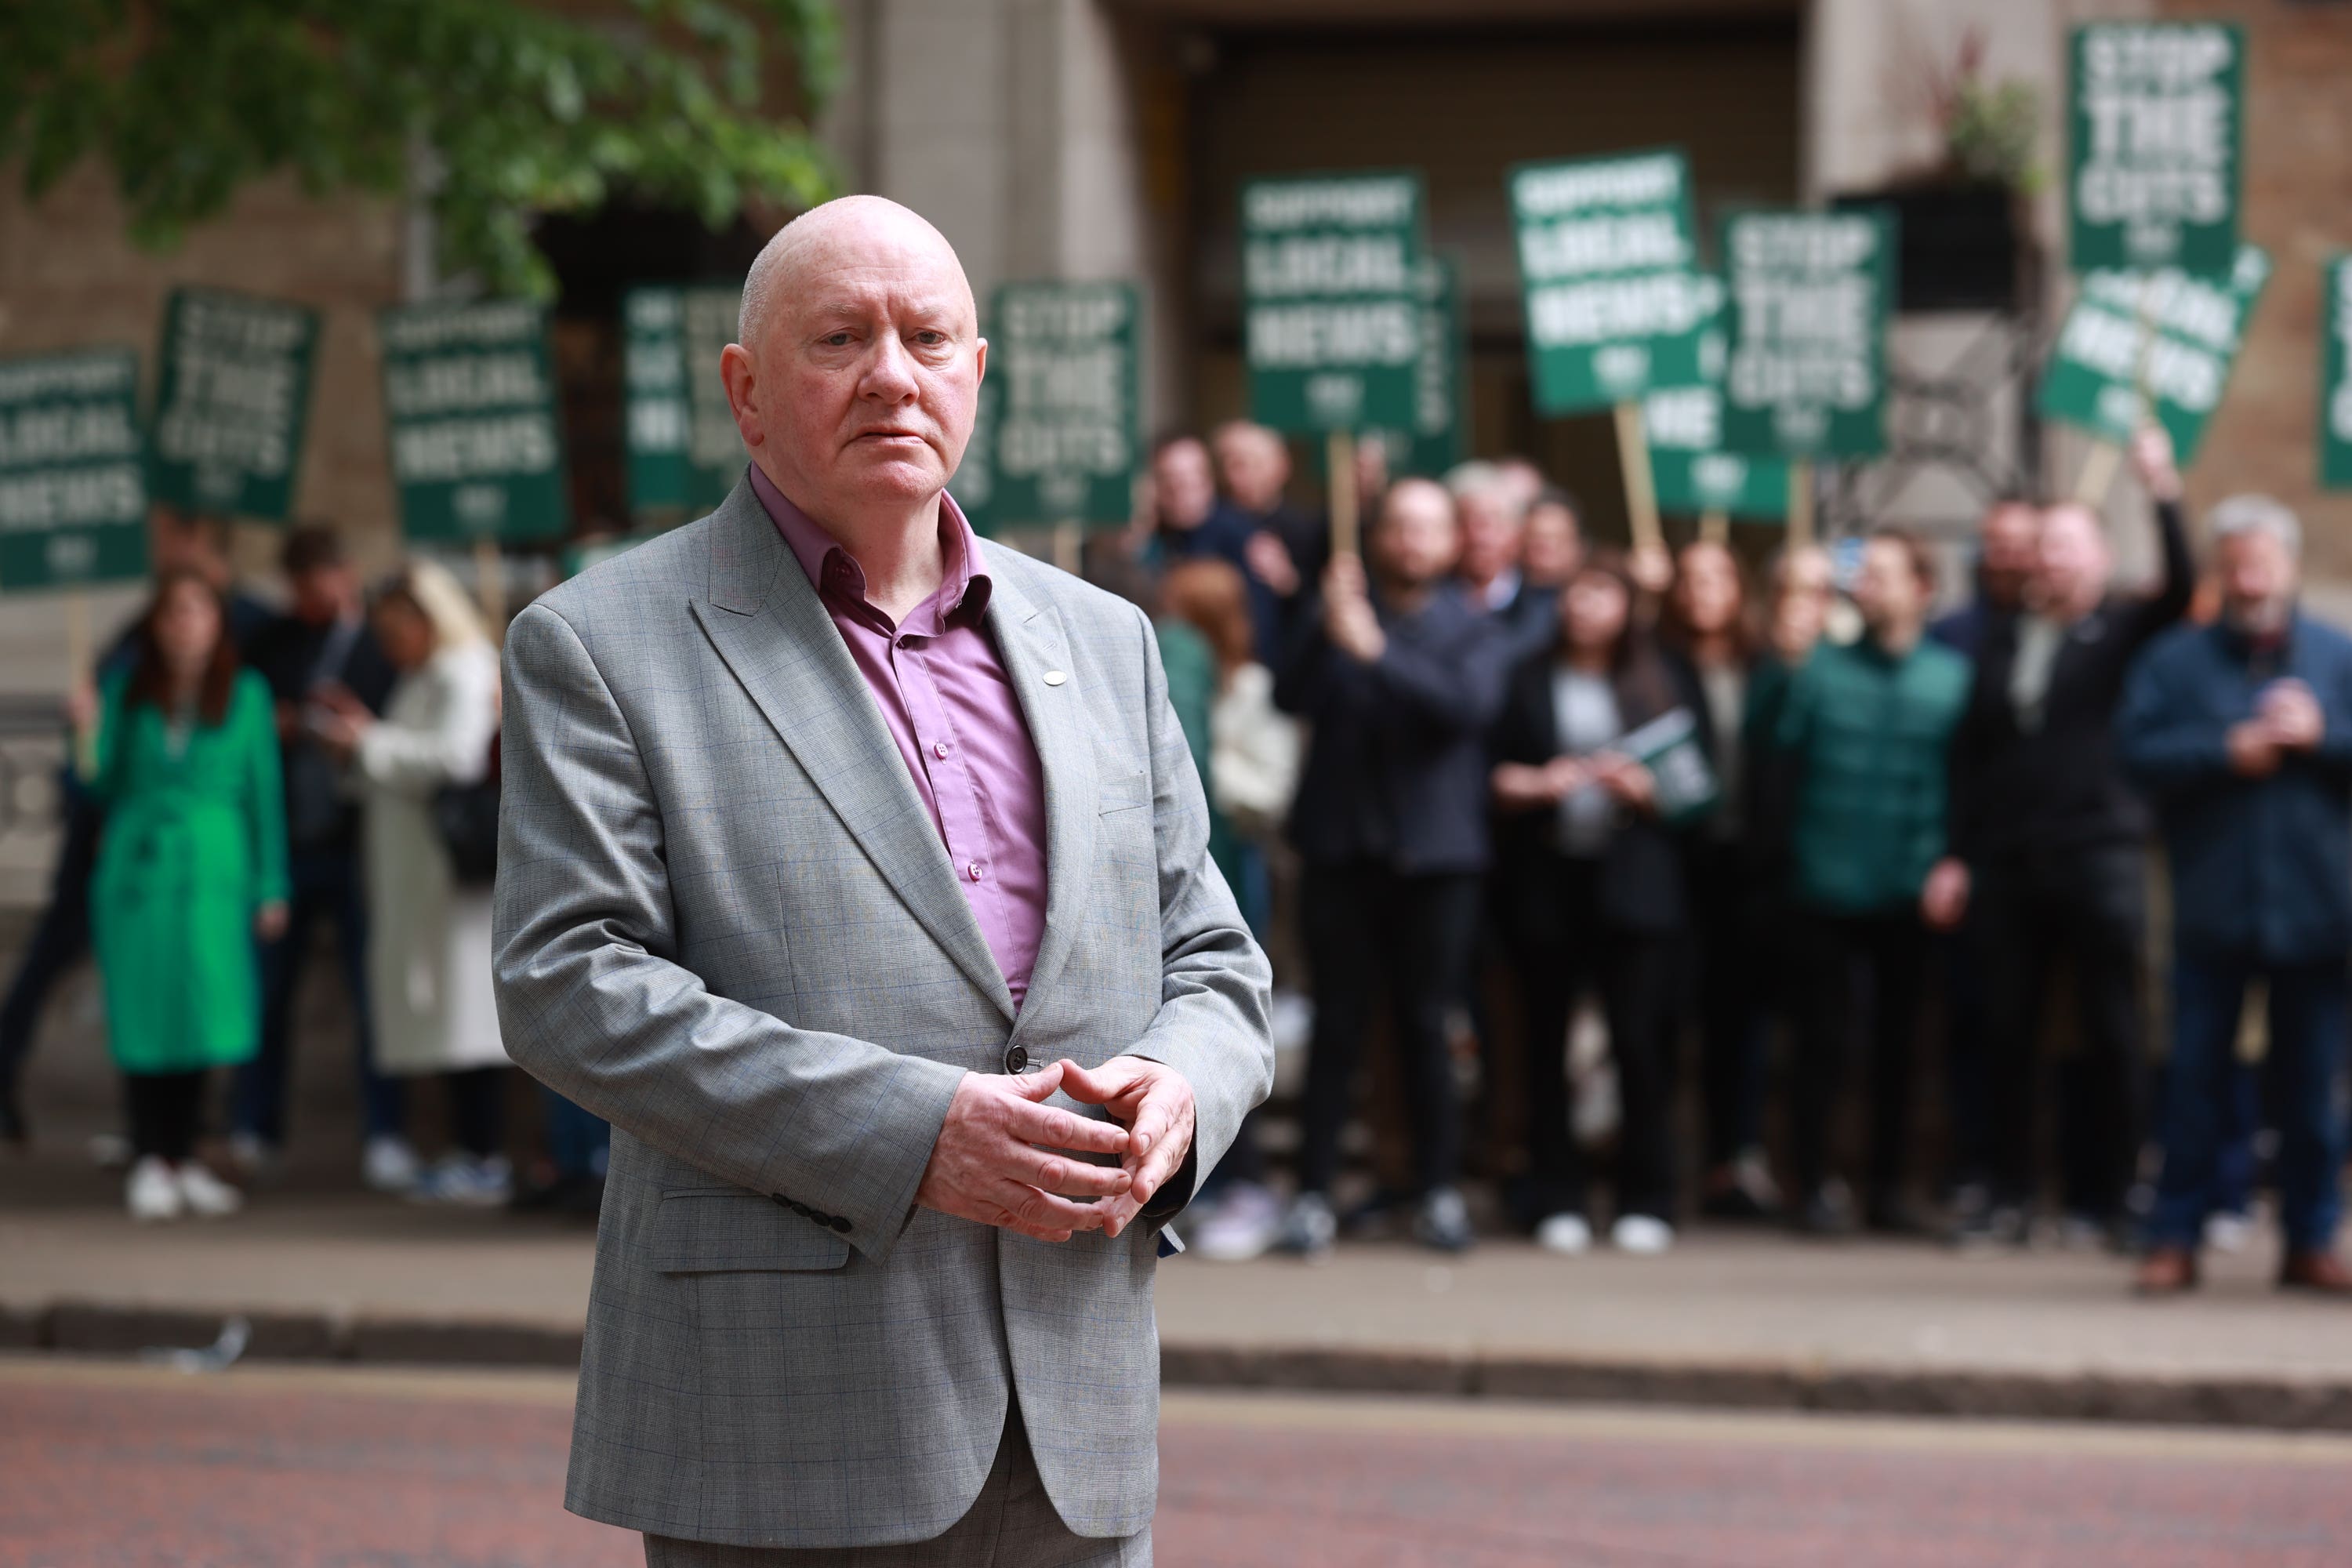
(889, 372)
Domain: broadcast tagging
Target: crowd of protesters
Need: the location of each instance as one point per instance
(242, 782)
(1782, 825)
(1479, 787)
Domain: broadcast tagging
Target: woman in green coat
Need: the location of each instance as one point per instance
(191, 868)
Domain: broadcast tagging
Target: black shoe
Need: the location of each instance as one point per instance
(13, 1131)
(1823, 1214)
(1898, 1216)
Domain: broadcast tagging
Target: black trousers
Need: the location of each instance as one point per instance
(477, 1110)
(1844, 963)
(166, 1109)
(1730, 952)
(326, 888)
(1369, 929)
(2088, 908)
(1634, 971)
(61, 938)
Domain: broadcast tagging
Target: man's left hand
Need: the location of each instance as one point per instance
(1154, 1104)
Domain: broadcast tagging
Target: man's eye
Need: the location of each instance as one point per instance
(930, 339)
(836, 339)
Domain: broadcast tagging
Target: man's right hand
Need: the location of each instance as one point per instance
(997, 1159)
(2253, 750)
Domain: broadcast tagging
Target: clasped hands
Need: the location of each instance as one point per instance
(1004, 1158)
(2287, 718)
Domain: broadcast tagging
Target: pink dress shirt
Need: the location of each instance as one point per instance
(947, 701)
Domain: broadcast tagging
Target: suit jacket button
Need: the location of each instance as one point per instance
(841, 1224)
(1016, 1059)
(781, 1201)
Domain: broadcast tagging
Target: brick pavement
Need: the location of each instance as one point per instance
(111, 1466)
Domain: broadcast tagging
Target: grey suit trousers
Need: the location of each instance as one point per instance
(1012, 1524)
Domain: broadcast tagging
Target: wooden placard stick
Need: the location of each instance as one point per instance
(1340, 460)
(490, 587)
(1069, 548)
(2098, 473)
(78, 670)
(1800, 503)
(1715, 526)
(1640, 491)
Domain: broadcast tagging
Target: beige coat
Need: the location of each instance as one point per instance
(428, 939)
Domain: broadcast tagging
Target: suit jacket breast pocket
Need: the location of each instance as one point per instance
(1122, 789)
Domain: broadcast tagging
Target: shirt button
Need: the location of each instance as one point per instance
(1016, 1059)
(939, 748)
(975, 871)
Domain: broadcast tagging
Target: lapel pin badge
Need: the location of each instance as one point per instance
(1055, 678)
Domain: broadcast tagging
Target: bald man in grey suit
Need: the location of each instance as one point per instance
(859, 876)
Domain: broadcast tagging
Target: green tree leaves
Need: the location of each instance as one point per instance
(488, 111)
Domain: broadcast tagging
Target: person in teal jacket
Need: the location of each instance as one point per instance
(191, 867)
(1864, 729)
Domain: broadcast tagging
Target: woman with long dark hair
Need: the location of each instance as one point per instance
(1591, 894)
(191, 868)
(1708, 633)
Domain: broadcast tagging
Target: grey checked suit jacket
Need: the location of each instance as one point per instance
(727, 924)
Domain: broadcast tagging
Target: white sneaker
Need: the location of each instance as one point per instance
(1243, 1227)
(2229, 1233)
(206, 1195)
(254, 1157)
(1644, 1236)
(1566, 1234)
(465, 1183)
(152, 1193)
(1310, 1228)
(389, 1165)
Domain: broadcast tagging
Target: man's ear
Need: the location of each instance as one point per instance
(741, 378)
(979, 361)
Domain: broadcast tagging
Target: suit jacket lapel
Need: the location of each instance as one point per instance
(764, 617)
(1031, 640)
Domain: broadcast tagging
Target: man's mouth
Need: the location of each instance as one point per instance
(892, 434)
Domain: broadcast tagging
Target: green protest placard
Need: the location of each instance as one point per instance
(1439, 437)
(2156, 126)
(1809, 294)
(2336, 375)
(685, 452)
(233, 395)
(973, 484)
(1607, 257)
(2163, 340)
(471, 407)
(73, 477)
(1684, 427)
(1331, 324)
(1068, 436)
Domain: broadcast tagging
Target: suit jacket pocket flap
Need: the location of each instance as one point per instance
(718, 1233)
(1123, 791)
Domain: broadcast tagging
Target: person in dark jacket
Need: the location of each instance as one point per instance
(1865, 731)
(1400, 678)
(2241, 732)
(1708, 632)
(322, 643)
(2052, 834)
(2009, 551)
(1588, 882)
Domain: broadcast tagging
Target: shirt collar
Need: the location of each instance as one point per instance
(962, 594)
